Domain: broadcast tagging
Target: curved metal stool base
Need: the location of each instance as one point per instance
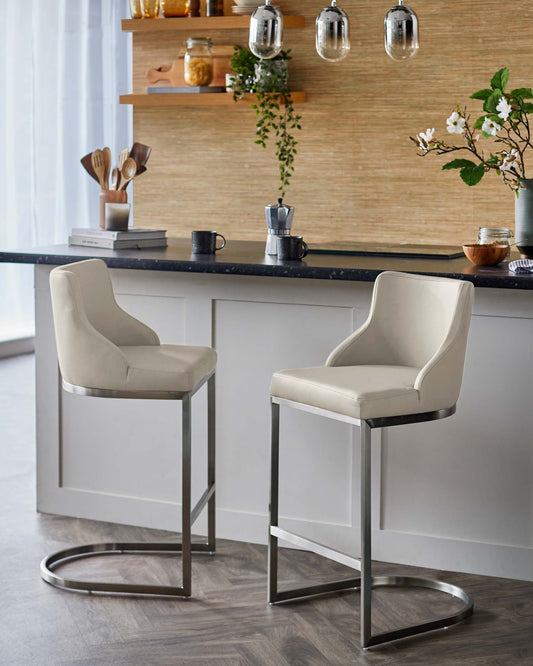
(390, 581)
(49, 563)
(438, 623)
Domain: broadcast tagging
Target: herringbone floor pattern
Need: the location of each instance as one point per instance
(227, 622)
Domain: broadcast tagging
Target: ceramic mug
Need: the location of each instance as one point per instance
(205, 242)
(291, 247)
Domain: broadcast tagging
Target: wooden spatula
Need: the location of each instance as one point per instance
(140, 153)
(86, 161)
(106, 156)
(97, 161)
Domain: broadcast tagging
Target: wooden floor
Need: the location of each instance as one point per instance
(227, 622)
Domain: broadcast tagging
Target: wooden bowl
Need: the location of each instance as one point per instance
(486, 255)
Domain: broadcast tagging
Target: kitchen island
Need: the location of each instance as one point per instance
(454, 494)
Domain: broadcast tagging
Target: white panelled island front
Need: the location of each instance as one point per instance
(454, 494)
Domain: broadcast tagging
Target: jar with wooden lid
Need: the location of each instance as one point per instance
(172, 8)
(198, 61)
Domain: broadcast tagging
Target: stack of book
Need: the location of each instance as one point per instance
(134, 237)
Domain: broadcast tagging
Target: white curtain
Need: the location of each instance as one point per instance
(63, 64)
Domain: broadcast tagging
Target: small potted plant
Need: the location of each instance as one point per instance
(268, 80)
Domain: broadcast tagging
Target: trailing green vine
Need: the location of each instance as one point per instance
(274, 107)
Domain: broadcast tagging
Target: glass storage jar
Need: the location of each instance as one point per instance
(135, 9)
(198, 61)
(150, 8)
(495, 236)
(171, 8)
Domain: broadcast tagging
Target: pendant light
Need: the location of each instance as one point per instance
(266, 31)
(332, 33)
(401, 32)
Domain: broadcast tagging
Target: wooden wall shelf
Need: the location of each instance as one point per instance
(200, 23)
(196, 99)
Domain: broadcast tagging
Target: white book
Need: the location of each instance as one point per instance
(112, 244)
(133, 233)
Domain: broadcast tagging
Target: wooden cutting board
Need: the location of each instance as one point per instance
(173, 74)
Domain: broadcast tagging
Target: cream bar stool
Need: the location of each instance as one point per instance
(106, 353)
(404, 365)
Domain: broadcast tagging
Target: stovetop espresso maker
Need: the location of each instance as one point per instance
(279, 222)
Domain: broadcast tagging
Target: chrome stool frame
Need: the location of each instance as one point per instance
(364, 565)
(189, 515)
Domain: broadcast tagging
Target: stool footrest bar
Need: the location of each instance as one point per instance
(316, 547)
(317, 590)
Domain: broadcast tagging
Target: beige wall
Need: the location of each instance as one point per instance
(357, 174)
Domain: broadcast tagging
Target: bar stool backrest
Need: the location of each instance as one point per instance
(415, 321)
(90, 326)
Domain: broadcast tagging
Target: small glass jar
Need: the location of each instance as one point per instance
(150, 8)
(135, 9)
(495, 236)
(172, 8)
(198, 61)
(272, 75)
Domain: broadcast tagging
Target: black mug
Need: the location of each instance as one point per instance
(205, 242)
(291, 247)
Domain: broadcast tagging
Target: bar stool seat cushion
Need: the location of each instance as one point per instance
(359, 391)
(165, 367)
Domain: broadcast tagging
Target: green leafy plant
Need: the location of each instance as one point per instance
(505, 119)
(273, 107)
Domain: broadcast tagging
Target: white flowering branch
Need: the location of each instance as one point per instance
(505, 118)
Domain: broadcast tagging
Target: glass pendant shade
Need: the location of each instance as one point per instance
(401, 32)
(332, 33)
(266, 31)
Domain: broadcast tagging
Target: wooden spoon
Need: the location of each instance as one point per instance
(115, 178)
(123, 156)
(128, 171)
(106, 156)
(97, 161)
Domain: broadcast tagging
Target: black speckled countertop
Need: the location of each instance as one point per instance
(248, 258)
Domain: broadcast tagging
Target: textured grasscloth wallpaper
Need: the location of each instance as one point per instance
(357, 174)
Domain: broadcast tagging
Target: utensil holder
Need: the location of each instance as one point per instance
(110, 196)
